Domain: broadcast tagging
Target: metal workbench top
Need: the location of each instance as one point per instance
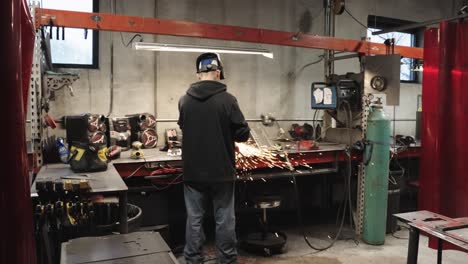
(100, 182)
(155, 155)
(323, 147)
(150, 155)
(138, 247)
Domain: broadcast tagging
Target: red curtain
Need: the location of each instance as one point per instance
(444, 160)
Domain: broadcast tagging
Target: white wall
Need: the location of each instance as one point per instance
(153, 82)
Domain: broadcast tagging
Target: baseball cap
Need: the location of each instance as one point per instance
(207, 62)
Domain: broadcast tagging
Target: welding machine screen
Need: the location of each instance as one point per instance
(323, 96)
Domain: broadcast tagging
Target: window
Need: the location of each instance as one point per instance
(78, 49)
(407, 38)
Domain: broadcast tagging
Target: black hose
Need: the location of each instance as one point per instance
(349, 167)
(301, 224)
(347, 201)
(369, 155)
(350, 203)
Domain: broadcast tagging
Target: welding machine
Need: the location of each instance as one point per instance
(332, 95)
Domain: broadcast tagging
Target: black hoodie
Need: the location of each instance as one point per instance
(211, 121)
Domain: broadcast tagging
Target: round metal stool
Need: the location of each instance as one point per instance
(266, 241)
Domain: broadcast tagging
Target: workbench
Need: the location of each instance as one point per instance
(111, 182)
(134, 248)
(327, 153)
(145, 189)
(105, 182)
(452, 231)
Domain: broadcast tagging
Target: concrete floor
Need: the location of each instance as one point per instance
(345, 251)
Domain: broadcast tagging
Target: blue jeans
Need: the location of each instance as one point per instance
(196, 197)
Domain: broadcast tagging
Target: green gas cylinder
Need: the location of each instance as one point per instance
(377, 160)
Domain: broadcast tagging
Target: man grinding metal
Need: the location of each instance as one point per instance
(211, 121)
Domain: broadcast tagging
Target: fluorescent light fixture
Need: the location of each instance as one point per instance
(198, 49)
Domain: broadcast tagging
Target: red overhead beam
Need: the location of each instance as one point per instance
(109, 22)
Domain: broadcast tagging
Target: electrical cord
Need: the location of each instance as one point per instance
(355, 19)
(352, 223)
(131, 40)
(293, 75)
(402, 169)
(347, 203)
(359, 22)
(134, 172)
(371, 150)
(168, 185)
(320, 58)
(349, 165)
(313, 125)
(139, 168)
(301, 224)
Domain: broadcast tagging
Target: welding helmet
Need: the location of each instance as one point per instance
(209, 62)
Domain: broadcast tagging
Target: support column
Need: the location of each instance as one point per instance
(16, 225)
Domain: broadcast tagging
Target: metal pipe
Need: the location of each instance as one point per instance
(297, 119)
(283, 174)
(419, 24)
(17, 243)
(344, 57)
(331, 66)
(403, 120)
(173, 120)
(111, 75)
(327, 32)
